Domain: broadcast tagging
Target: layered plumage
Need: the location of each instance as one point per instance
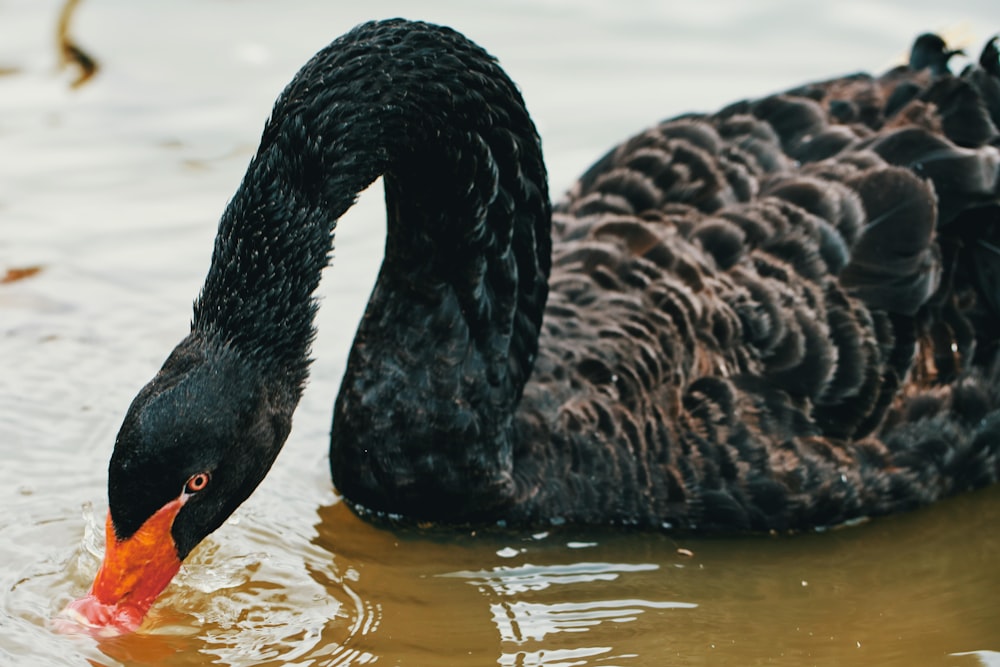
(778, 316)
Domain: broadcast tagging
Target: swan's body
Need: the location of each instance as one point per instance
(779, 316)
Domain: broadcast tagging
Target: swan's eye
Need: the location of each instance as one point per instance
(197, 482)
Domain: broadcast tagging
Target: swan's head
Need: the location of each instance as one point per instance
(195, 443)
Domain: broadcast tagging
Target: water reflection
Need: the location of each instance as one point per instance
(527, 599)
(521, 620)
(509, 581)
(985, 658)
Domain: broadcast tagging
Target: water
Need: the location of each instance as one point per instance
(114, 189)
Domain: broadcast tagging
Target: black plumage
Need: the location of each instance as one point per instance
(779, 316)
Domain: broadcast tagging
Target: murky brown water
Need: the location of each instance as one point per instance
(114, 189)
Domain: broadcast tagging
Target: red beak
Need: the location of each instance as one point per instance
(135, 571)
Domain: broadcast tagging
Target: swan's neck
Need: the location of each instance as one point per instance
(449, 337)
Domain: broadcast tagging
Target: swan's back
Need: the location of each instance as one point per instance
(781, 315)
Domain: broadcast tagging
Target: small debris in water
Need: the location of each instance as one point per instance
(685, 552)
(20, 273)
(70, 52)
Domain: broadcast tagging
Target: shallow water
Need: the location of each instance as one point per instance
(114, 188)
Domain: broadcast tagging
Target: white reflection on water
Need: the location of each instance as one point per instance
(509, 581)
(986, 658)
(553, 658)
(520, 621)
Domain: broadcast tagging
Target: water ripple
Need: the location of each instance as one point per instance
(521, 621)
(506, 580)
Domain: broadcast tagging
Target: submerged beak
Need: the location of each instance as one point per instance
(135, 571)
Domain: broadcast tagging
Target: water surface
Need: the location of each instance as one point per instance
(114, 190)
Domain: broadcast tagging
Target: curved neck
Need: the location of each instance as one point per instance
(468, 208)
(450, 334)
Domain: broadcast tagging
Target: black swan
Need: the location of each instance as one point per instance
(779, 316)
